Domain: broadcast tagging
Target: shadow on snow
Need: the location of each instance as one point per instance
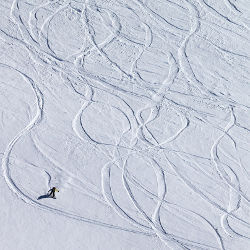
(43, 197)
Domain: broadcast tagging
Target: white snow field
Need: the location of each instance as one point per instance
(138, 111)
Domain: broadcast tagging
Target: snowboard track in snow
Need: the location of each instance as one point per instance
(145, 97)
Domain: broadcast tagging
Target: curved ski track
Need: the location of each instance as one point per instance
(163, 104)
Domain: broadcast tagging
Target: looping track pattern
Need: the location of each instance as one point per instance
(142, 110)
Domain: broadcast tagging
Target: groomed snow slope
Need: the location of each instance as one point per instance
(138, 111)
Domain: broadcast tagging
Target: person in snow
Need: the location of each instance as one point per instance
(52, 192)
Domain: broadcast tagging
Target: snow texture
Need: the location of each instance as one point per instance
(138, 111)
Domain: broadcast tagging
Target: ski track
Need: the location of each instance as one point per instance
(141, 104)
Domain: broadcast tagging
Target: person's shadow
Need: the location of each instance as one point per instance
(43, 197)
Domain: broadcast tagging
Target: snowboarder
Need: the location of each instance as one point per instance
(52, 192)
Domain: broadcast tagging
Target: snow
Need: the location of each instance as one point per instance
(137, 111)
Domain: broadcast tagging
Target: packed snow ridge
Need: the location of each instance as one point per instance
(137, 111)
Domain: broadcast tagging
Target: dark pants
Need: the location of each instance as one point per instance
(52, 193)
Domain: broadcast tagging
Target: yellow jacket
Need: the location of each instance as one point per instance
(54, 189)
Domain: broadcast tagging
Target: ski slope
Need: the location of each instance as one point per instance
(138, 111)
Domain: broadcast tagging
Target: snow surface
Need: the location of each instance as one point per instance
(137, 111)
